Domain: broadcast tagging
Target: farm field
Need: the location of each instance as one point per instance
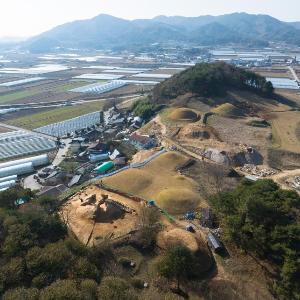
(4, 129)
(286, 130)
(12, 97)
(55, 115)
(71, 85)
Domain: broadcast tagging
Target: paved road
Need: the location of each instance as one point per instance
(294, 74)
(30, 183)
(60, 156)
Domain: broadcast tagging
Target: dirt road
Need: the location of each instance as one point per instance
(294, 74)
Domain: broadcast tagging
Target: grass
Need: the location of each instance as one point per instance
(178, 116)
(183, 114)
(159, 180)
(227, 110)
(285, 128)
(17, 95)
(55, 115)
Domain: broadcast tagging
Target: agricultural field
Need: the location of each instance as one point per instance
(4, 129)
(12, 97)
(71, 85)
(280, 72)
(55, 115)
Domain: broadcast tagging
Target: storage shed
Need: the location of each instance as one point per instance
(214, 243)
(98, 157)
(105, 167)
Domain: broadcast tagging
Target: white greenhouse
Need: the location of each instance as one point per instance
(36, 161)
(20, 169)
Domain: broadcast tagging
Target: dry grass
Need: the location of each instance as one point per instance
(178, 200)
(183, 114)
(285, 128)
(4, 129)
(174, 236)
(227, 110)
(160, 181)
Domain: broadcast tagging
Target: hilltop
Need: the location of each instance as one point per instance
(208, 80)
(105, 31)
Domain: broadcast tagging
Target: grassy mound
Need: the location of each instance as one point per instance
(169, 160)
(228, 110)
(160, 181)
(178, 200)
(183, 114)
(176, 236)
(132, 181)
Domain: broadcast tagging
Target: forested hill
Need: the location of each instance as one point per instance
(106, 31)
(211, 80)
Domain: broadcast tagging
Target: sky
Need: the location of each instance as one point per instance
(24, 18)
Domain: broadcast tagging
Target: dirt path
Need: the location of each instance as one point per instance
(294, 74)
(279, 178)
(158, 121)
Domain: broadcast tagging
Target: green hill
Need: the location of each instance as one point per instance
(211, 80)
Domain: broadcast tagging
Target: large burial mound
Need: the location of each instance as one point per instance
(178, 200)
(160, 181)
(183, 114)
(228, 110)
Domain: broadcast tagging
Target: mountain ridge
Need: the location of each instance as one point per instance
(105, 31)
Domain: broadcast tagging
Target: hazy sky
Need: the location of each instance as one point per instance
(29, 17)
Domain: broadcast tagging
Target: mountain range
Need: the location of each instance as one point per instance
(105, 31)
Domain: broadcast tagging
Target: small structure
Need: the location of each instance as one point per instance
(151, 203)
(120, 161)
(190, 216)
(114, 155)
(251, 178)
(206, 218)
(52, 191)
(74, 180)
(141, 141)
(105, 167)
(190, 228)
(214, 243)
(98, 157)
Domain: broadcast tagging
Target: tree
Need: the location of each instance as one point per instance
(115, 288)
(61, 290)
(22, 294)
(50, 204)
(54, 259)
(263, 219)
(149, 226)
(177, 263)
(12, 274)
(82, 268)
(19, 239)
(8, 198)
(89, 289)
